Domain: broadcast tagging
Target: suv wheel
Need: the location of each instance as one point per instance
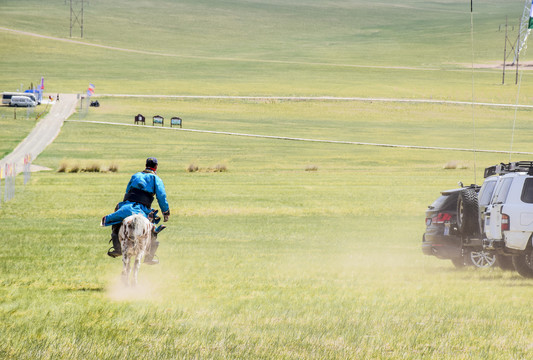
(524, 264)
(467, 212)
(482, 259)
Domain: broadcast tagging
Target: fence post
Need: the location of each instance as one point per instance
(27, 168)
(13, 174)
(9, 187)
(6, 187)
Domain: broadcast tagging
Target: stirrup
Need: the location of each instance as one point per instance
(113, 253)
(160, 228)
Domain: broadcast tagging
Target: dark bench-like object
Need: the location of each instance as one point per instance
(139, 119)
(158, 119)
(175, 121)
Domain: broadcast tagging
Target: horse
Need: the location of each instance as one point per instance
(136, 235)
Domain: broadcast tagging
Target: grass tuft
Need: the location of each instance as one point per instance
(74, 169)
(192, 168)
(94, 167)
(218, 168)
(65, 166)
(62, 167)
(450, 165)
(454, 164)
(113, 168)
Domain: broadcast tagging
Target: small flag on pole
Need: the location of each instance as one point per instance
(42, 83)
(90, 90)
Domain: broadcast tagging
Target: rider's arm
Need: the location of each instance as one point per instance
(162, 197)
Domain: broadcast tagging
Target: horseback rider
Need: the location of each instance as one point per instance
(138, 200)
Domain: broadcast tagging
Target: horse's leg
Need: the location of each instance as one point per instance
(136, 267)
(125, 268)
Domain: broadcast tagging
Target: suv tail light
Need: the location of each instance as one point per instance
(441, 218)
(505, 222)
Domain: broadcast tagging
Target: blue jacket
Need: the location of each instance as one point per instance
(139, 195)
(149, 182)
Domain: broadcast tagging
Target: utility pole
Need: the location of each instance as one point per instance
(504, 52)
(516, 77)
(511, 51)
(76, 16)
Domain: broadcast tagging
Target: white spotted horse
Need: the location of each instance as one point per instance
(137, 235)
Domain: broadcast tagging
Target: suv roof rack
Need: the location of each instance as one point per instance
(517, 166)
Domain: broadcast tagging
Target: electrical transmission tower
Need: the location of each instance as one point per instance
(506, 53)
(520, 44)
(524, 31)
(76, 15)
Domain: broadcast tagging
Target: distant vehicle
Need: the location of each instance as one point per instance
(22, 101)
(6, 97)
(452, 229)
(37, 93)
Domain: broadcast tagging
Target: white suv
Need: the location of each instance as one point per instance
(507, 220)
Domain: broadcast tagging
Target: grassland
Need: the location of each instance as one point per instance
(266, 260)
(416, 49)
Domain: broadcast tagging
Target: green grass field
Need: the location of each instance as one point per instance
(266, 260)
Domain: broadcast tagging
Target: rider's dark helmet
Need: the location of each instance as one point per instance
(151, 162)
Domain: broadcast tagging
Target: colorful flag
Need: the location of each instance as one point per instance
(90, 90)
(42, 83)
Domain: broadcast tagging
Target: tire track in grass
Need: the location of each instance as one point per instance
(318, 98)
(214, 58)
(235, 59)
(416, 147)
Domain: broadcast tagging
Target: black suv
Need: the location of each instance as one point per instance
(452, 229)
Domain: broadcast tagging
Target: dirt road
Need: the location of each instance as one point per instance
(42, 134)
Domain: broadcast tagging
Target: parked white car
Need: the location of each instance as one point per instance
(507, 220)
(22, 101)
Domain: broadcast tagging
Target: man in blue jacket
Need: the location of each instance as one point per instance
(140, 192)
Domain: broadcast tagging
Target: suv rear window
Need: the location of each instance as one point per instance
(486, 192)
(527, 191)
(445, 202)
(503, 190)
